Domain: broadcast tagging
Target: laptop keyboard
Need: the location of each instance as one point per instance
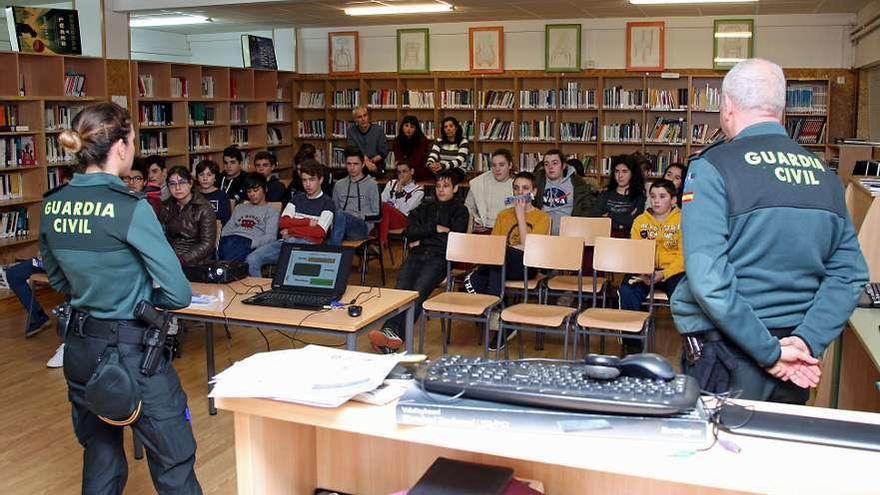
(289, 300)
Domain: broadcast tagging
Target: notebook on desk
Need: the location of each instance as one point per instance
(307, 277)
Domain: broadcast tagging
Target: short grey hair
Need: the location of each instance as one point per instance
(756, 84)
(354, 111)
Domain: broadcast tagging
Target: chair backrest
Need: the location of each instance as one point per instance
(858, 202)
(624, 255)
(276, 204)
(475, 248)
(553, 252)
(586, 227)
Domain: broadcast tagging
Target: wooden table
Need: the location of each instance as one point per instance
(856, 367)
(283, 448)
(378, 304)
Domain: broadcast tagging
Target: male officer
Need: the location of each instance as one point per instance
(773, 266)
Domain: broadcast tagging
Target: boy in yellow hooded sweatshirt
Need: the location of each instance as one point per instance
(662, 222)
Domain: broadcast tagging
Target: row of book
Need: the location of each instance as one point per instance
(667, 99)
(155, 114)
(418, 99)
(17, 151)
(179, 87)
(346, 98)
(707, 99)
(146, 88)
(586, 131)
(311, 99)
(239, 136)
(806, 98)
(55, 153)
(200, 140)
(340, 128)
(54, 176)
(275, 112)
(153, 143)
(75, 84)
(620, 97)
(668, 131)
(496, 99)
(238, 113)
(537, 130)
(201, 114)
(14, 223)
(662, 159)
(275, 136)
(389, 127)
(9, 121)
(467, 128)
(571, 96)
(208, 86)
(806, 130)
(457, 98)
(705, 134)
(383, 98)
(428, 128)
(537, 98)
(11, 186)
(312, 128)
(530, 161)
(622, 132)
(58, 117)
(496, 130)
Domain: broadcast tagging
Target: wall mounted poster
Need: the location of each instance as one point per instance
(645, 46)
(344, 53)
(562, 47)
(413, 51)
(734, 41)
(49, 31)
(258, 52)
(486, 50)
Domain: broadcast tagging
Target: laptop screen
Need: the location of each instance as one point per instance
(312, 269)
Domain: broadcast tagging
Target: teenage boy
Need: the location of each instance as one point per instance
(370, 139)
(399, 198)
(305, 219)
(357, 201)
(424, 268)
(232, 182)
(156, 175)
(254, 223)
(488, 191)
(561, 191)
(265, 163)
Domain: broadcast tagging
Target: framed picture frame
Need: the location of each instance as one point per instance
(486, 50)
(413, 51)
(562, 48)
(645, 46)
(733, 40)
(344, 53)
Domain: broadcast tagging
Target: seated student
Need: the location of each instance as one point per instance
(156, 175)
(136, 181)
(305, 219)
(424, 268)
(451, 150)
(676, 172)
(623, 200)
(488, 191)
(17, 276)
(306, 152)
(561, 191)
(188, 219)
(254, 223)
(232, 182)
(400, 196)
(370, 139)
(662, 222)
(357, 201)
(411, 146)
(207, 172)
(265, 163)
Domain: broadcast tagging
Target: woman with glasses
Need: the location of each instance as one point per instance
(189, 220)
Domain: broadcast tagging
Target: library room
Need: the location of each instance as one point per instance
(472, 247)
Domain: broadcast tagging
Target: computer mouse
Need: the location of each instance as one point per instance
(354, 310)
(646, 365)
(601, 360)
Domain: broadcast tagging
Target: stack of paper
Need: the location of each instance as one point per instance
(314, 375)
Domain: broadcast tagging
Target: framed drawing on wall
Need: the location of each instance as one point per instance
(344, 53)
(486, 50)
(645, 46)
(413, 51)
(562, 47)
(733, 41)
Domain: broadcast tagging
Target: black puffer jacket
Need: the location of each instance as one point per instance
(191, 230)
(423, 222)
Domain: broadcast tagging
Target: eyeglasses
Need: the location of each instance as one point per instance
(178, 183)
(132, 179)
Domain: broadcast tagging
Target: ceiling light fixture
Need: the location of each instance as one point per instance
(683, 2)
(413, 8)
(167, 20)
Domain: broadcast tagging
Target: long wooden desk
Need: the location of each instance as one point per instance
(857, 363)
(378, 305)
(285, 448)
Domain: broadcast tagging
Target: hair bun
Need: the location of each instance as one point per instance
(71, 140)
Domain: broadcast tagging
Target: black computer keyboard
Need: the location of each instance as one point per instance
(291, 300)
(559, 385)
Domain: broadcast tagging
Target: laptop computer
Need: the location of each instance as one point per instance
(307, 277)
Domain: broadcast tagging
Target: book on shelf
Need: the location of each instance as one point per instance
(179, 87)
(383, 98)
(233, 88)
(668, 131)
(337, 157)
(311, 99)
(274, 136)
(497, 99)
(145, 85)
(54, 176)
(623, 98)
(59, 117)
(44, 31)
(9, 121)
(389, 127)
(496, 130)
(428, 128)
(806, 98)
(537, 98)
(340, 128)
(199, 140)
(587, 160)
(275, 112)
(207, 86)
(239, 136)
(258, 52)
(18, 151)
(155, 114)
(662, 159)
(238, 113)
(705, 134)
(154, 143)
(311, 129)
(630, 131)
(11, 186)
(457, 98)
(537, 130)
(667, 99)
(707, 99)
(346, 98)
(806, 130)
(418, 99)
(201, 114)
(55, 153)
(572, 96)
(467, 129)
(75, 84)
(574, 132)
(14, 223)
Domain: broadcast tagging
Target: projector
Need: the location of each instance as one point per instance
(216, 272)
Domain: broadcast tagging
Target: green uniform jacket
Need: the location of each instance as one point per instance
(103, 245)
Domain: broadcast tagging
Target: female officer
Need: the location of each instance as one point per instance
(103, 246)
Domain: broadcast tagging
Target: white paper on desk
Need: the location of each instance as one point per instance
(314, 375)
(203, 299)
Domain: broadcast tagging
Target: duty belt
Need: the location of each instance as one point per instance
(114, 331)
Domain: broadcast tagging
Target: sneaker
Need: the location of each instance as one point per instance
(385, 341)
(493, 340)
(57, 360)
(37, 325)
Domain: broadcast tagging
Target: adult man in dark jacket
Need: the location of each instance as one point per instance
(561, 191)
(425, 266)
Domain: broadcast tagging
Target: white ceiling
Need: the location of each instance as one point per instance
(328, 13)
